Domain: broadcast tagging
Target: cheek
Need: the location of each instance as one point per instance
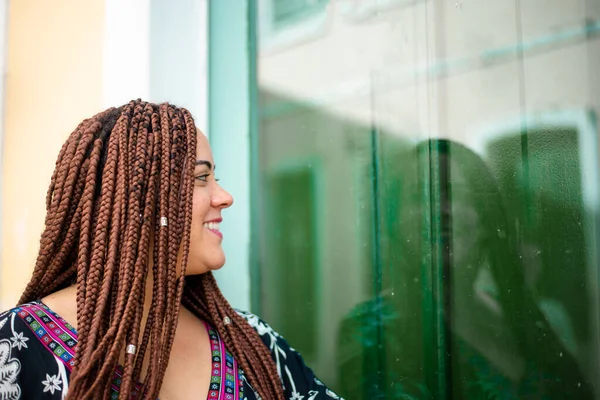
(200, 209)
(199, 212)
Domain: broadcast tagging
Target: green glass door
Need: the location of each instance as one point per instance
(425, 195)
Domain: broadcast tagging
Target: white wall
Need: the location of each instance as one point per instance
(126, 61)
(164, 57)
(178, 55)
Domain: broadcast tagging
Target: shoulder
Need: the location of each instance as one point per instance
(22, 330)
(14, 336)
(279, 347)
(8, 319)
(15, 331)
(7, 313)
(10, 364)
(28, 367)
(14, 344)
(4, 315)
(298, 379)
(261, 327)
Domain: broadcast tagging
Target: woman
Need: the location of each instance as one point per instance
(122, 302)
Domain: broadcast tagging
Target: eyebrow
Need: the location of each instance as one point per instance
(204, 162)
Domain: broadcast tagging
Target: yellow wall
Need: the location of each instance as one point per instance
(54, 80)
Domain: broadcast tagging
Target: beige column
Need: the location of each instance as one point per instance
(53, 81)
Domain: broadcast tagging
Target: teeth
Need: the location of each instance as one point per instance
(212, 225)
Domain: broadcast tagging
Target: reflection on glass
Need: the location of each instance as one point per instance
(428, 208)
(509, 338)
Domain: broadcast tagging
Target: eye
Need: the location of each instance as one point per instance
(203, 178)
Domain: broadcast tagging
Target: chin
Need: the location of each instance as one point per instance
(217, 263)
(204, 267)
(217, 267)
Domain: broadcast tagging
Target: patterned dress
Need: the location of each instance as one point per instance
(37, 347)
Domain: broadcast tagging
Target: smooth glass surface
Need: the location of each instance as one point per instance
(426, 195)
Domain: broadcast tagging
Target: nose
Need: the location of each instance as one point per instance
(221, 198)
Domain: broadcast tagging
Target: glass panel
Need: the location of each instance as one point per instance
(427, 196)
(522, 306)
(293, 225)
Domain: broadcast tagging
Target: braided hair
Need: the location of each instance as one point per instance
(115, 176)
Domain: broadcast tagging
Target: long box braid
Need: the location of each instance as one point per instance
(116, 174)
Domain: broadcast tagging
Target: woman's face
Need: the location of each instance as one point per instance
(209, 199)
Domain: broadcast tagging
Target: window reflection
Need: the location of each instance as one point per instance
(411, 251)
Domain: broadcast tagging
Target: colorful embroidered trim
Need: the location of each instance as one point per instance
(226, 382)
(56, 334)
(60, 338)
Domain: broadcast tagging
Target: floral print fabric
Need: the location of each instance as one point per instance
(37, 348)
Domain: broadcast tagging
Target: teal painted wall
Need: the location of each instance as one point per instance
(229, 130)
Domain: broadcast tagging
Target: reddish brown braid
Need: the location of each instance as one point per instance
(116, 175)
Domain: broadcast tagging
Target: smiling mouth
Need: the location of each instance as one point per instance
(214, 228)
